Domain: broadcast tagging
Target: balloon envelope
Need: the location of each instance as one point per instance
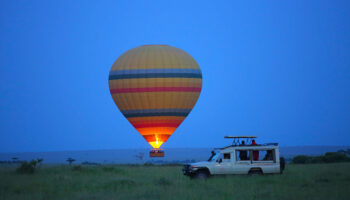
(155, 87)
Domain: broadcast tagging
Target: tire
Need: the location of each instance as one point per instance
(201, 175)
(255, 172)
(282, 164)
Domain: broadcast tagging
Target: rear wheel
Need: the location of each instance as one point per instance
(255, 172)
(282, 164)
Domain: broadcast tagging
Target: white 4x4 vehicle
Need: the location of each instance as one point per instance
(239, 158)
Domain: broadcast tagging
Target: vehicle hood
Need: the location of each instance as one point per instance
(199, 164)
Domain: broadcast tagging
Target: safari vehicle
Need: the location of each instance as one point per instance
(244, 156)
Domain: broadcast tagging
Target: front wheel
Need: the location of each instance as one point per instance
(201, 175)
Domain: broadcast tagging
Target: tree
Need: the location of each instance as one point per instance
(70, 161)
(301, 159)
(348, 152)
(40, 161)
(345, 152)
(342, 151)
(331, 157)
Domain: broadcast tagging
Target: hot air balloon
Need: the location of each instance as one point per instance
(155, 87)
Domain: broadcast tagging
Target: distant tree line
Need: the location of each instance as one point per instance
(90, 163)
(10, 162)
(14, 161)
(329, 157)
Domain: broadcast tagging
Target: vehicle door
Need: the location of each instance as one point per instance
(242, 161)
(223, 164)
(266, 161)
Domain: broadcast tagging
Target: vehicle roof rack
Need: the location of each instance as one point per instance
(237, 139)
(271, 144)
(232, 137)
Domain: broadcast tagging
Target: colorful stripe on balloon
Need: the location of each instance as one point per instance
(155, 73)
(156, 89)
(156, 112)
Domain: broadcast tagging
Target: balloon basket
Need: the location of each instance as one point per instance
(156, 153)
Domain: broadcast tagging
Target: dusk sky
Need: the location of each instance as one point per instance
(276, 69)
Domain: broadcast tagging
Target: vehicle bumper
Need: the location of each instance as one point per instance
(188, 171)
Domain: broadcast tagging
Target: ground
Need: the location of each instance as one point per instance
(314, 181)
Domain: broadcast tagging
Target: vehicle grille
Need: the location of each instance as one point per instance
(186, 167)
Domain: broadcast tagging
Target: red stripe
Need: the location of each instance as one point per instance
(156, 125)
(157, 121)
(156, 89)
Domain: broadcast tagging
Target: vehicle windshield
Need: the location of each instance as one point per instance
(213, 157)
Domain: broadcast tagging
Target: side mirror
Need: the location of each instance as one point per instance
(220, 160)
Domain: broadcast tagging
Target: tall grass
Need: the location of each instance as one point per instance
(314, 181)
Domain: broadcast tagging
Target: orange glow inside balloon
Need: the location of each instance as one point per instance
(156, 144)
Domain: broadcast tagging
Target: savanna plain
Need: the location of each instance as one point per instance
(308, 181)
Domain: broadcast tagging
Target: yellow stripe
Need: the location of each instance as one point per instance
(155, 57)
(155, 82)
(155, 100)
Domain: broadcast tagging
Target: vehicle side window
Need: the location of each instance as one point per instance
(266, 155)
(242, 155)
(225, 157)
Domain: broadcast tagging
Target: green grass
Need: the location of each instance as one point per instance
(314, 181)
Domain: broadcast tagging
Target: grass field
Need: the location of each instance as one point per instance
(318, 181)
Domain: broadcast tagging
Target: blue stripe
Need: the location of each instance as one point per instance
(156, 75)
(156, 112)
(154, 71)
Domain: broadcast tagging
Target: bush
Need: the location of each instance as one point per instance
(27, 168)
(331, 157)
(302, 159)
(148, 164)
(77, 168)
(316, 159)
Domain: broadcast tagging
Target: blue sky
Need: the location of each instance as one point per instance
(276, 69)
